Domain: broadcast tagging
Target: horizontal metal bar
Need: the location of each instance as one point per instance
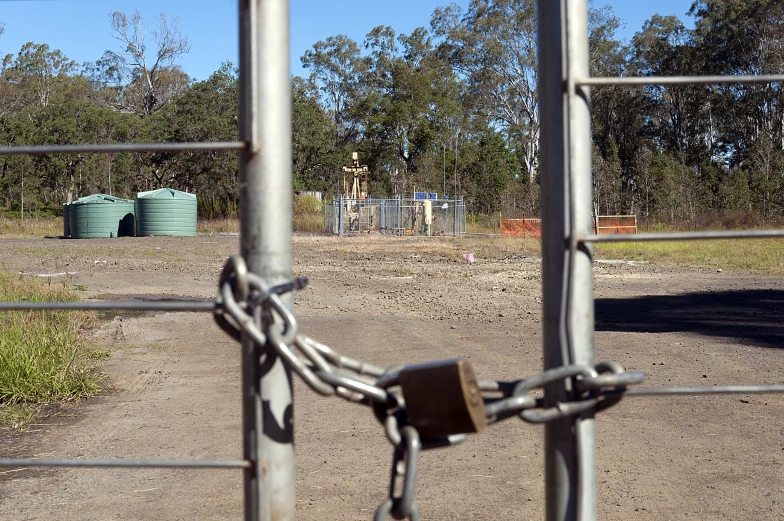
(122, 147)
(614, 227)
(130, 305)
(124, 463)
(598, 81)
(685, 236)
(713, 389)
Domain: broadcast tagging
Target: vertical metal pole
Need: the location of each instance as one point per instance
(335, 216)
(400, 215)
(581, 305)
(567, 283)
(342, 216)
(265, 244)
(457, 142)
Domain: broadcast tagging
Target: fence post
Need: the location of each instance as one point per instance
(455, 225)
(570, 484)
(265, 244)
(400, 230)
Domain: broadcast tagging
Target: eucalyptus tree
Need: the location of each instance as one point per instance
(744, 37)
(38, 73)
(493, 46)
(412, 94)
(137, 79)
(36, 83)
(490, 167)
(316, 161)
(764, 166)
(207, 111)
(678, 113)
(337, 69)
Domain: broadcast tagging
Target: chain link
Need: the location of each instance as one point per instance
(400, 505)
(327, 372)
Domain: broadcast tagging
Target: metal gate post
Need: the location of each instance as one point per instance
(265, 244)
(567, 283)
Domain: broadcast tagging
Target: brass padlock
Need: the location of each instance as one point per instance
(443, 398)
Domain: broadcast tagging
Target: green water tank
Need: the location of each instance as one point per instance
(70, 209)
(101, 215)
(66, 220)
(165, 212)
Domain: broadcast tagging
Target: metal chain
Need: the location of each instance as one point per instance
(400, 505)
(329, 373)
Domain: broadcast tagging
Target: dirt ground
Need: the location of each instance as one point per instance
(175, 384)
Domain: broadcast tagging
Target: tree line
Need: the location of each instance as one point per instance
(451, 108)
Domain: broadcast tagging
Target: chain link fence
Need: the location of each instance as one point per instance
(394, 216)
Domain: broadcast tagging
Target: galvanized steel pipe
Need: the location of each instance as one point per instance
(567, 283)
(265, 244)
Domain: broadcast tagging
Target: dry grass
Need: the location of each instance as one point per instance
(218, 226)
(484, 224)
(30, 227)
(309, 222)
(759, 255)
(303, 223)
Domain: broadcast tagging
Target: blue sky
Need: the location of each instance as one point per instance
(80, 28)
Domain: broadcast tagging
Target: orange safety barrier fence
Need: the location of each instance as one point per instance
(615, 224)
(521, 228)
(607, 225)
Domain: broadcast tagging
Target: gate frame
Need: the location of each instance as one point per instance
(567, 277)
(265, 243)
(266, 209)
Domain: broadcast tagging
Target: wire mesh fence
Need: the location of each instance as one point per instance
(395, 216)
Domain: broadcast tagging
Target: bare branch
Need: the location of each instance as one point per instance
(144, 87)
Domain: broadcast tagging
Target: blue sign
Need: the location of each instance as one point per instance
(424, 196)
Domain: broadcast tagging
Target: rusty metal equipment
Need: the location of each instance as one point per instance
(355, 179)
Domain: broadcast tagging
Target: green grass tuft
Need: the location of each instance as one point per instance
(44, 358)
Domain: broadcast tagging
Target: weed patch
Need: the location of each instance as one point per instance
(44, 358)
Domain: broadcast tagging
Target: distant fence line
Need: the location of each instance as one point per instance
(394, 216)
(615, 224)
(525, 227)
(602, 225)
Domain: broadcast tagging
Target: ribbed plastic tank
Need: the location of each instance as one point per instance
(166, 212)
(66, 220)
(71, 226)
(102, 215)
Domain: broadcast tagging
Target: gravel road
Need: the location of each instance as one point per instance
(175, 383)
